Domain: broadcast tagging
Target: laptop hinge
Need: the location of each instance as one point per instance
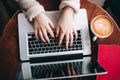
(56, 58)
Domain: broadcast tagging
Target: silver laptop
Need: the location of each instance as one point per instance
(44, 61)
(37, 48)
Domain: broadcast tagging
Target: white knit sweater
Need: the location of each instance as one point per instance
(32, 8)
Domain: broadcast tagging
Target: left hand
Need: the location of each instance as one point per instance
(65, 27)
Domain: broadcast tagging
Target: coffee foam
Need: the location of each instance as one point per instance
(102, 26)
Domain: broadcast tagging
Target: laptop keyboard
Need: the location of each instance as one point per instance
(39, 47)
(57, 70)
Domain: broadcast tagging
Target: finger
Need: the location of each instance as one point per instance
(36, 34)
(51, 25)
(71, 39)
(51, 74)
(50, 31)
(35, 29)
(47, 75)
(41, 36)
(77, 71)
(45, 35)
(75, 33)
(67, 40)
(61, 38)
(68, 69)
(57, 31)
(72, 70)
(62, 72)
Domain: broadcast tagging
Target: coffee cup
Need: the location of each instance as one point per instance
(101, 26)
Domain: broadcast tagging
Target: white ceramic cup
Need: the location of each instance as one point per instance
(101, 26)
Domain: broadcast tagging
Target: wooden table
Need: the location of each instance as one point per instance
(9, 49)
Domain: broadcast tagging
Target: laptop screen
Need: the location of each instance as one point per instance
(87, 66)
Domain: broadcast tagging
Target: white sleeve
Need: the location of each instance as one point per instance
(75, 4)
(31, 8)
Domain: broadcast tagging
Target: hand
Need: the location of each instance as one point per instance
(42, 26)
(65, 27)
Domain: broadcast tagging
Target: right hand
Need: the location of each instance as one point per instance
(42, 26)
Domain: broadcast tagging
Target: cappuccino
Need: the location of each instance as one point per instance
(102, 26)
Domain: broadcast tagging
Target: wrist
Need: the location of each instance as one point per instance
(41, 14)
(68, 11)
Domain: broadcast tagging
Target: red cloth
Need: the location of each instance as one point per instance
(109, 58)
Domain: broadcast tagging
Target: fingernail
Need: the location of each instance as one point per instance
(53, 36)
(49, 41)
(66, 47)
(37, 39)
(70, 44)
(44, 41)
(59, 45)
(56, 35)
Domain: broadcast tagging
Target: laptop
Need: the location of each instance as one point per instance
(25, 29)
(47, 60)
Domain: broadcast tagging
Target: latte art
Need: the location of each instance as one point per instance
(101, 26)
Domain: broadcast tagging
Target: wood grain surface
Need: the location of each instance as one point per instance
(9, 49)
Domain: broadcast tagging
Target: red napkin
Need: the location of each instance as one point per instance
(109, 58)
